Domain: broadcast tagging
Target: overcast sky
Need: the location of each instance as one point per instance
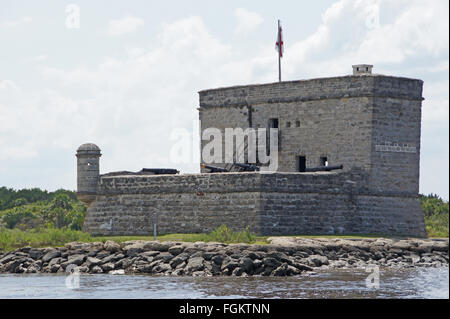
(127, 76)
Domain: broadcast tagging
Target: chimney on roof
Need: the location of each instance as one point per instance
(360, 69)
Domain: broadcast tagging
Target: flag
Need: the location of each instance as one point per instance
(279, 45)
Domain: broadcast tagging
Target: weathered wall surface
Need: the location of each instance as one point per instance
(329, 117)
(370, 122)
(282, 203)
(183, 203)
(396, 142)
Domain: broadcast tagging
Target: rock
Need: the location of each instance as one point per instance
(178, 260)
(96, 270)
(102, 254)
(229, 264)
(162, 267)
(181, 266)
(338, 264)
(117, 272)
(178, 272)
(156, 245)
(271, 262)
(50, 255)
(35, 253)
(75, 260)
(12, 265)
(237, 271)
(111, 258)
(164, 256)
(57, 260)
(318, 260)
(134, 249)
(195, 264)
(285, 270)
(54, 268)
(92, 261)
(150, 253)
(252, 255)
(301, 267)
(176, 250)
(111, 246)
(6, 259)
(123, 263)
(207, 255)
(246, 264)
(257, 263)
(218, 259)
(107, 267)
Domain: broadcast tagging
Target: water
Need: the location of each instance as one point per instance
(407, 283)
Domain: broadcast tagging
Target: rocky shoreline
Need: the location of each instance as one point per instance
(283, 256)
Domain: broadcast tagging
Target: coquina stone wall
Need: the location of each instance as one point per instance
(366, 121)
(280, 203)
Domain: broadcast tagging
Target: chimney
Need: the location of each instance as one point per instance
(362, 69)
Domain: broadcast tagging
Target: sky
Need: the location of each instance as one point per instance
(125, 75)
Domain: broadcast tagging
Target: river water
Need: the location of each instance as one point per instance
(405, 283)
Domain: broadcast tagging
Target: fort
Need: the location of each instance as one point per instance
(347, 163)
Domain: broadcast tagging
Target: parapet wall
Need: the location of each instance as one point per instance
(280, 203)
(313, 89)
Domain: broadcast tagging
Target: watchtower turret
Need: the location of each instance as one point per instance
(88, 172)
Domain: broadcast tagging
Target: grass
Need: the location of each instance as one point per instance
(14, 238)
(11, 239)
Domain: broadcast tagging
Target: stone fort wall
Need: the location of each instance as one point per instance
(271, 204)
(369, 121)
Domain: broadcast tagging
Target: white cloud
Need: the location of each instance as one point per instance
(346, 36)
(129, 103)
(124, 25)
(247, 21)
(16, 23)
(37, 58)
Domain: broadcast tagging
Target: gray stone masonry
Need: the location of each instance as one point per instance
(368, 123)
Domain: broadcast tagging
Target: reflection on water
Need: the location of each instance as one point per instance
(408, 283)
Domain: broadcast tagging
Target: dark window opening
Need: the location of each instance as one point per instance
(297, 123)
(301, 163)
(288, 124)
(273, 123)
(323, 161)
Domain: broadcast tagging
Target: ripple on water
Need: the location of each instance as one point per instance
(406, 283)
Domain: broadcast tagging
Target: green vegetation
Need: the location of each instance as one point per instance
(37, 209)
(435, 211)
(37, 218)
(15, 238)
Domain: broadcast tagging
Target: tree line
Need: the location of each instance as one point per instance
(34, 208)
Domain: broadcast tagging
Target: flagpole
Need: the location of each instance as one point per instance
(279, 53)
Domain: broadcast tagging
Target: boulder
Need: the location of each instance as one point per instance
(318, 260)
(50, 255)
(271, 262)
(107, 267)
(285, 270)
(75, 260)
(195, 264)
(111, 246)
(92, 261)
(246, 264)
(176, 250)
(164, 256)
(96, 270)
